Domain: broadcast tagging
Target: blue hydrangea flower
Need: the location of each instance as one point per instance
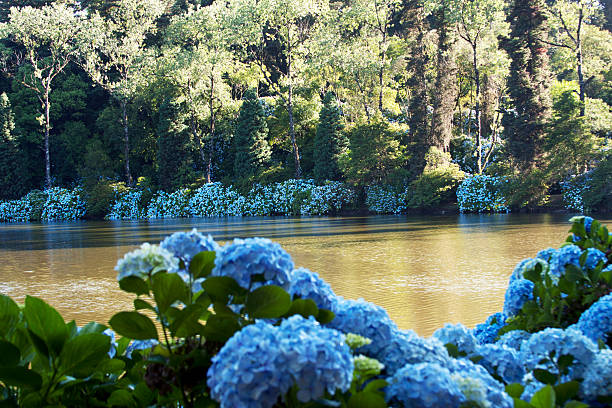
(593, 258)
(546, 254)
(596, 321)
(259, 364)
(481, 384)
(406, 347)
(426, 385)
(140, 345)
(587, 225)
(537, 352)
(598, 377)
(459, 335)
(113, 343)
(488, 331)
(243, 259)
(514, 339)
(527, 265)
(365, 319)
(502, 361)
(308, 285)
(148, 259)
(569, 254)
(186, 245)
(518, 292)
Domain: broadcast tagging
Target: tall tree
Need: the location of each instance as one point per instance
(529, 82)
(50, 37)
(289, 24)
(116, 52)
(11, 171)
(252, 152)
(330, 141)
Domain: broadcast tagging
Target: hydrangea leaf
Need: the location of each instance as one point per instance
(303, 307)
(83, 353)
(515, 390)
(167, 289)
(9, 354)
(46, 323)
(20, 377)
(9, 313)
(220, 328)
(202, 264)
(544, 398)
(220, 288)
(268, 302)
(134, 284)
(566, 391)
(366, 399)
(134, 325)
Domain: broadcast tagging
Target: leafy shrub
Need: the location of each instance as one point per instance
(598, 196)
(435, 187)
(99, 197)
(127, 204)
(573, 192)
(169, 205)
(483, 193)
(49, 205)
(385, 199)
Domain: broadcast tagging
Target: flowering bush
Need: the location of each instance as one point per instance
(53, 204)
(127, 205)
(255, 332)
(482, 193)
(573, 192)
(385, 200)
(169, 205)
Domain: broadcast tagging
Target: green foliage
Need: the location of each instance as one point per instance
(375, 155)
(12, 169)
(598, 195)
(330, 141)
(438, 183)
(528, 189)
(252, 152)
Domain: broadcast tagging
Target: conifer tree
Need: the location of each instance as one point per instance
(250, 144)
(330, 141)
(528, 83)
(11, 169)
(174, 161)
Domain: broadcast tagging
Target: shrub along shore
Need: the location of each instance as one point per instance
(115, 201)
(239, 326)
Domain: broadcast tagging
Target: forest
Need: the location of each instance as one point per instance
(415, 95)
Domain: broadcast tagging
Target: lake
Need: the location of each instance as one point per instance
(424, 270)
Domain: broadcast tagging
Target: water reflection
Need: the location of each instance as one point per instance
(424, 270)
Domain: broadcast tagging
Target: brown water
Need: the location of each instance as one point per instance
(424, 270)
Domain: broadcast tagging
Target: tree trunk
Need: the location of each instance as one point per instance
(478, 120)
(212, 130)
(47, 129)
(126, 140)
(296, 153)
(381, 72)
(579, 59)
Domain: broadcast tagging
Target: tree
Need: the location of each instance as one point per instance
(290, 24)
(480, 21)
(529, 82)
(50, 37)
(252, 152)
(11, 170)
(195, 60)
(330, 141)
(115, 54)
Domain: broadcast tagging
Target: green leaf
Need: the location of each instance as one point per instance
(167, 289)
(365, 399)
(9, 314)
(519, 403)
(220, 329)
(544, 398)
(186, 323)
(134, 325)
(121, 398)
(202, 264)
(220, 288)
(325, 316)
(515, 390)
(564, 362)
(268, 302)
(20, 377)
(303, 307)
(134, 284)
(545, 377)
(144, 395)
(375, 385)
(83, 353)
(9, 354)
(92, 327)
(576, 404)
(111, 366)
(38, 343)
(140, 304)
(46, 323)
(566, 391)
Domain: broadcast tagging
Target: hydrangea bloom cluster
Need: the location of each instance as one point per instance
(596, 321)
(259, 364)
(594, 256)
(488, 331)
(518, 292)
(215, 200)
(186, 245)
(127, 206)
(169, 205)
(567, 255)
(148, 259)
(406, 347)
(365, 319)
(502, 361)
(481, 384)
(308, 285)
(385, 200)
(53, 204)
(573, 193)
(543, 350)
(527, 265)
(514, 339)
(427, 385)
(244, 258)
(482, 193)
(459, 335)
(598, 377)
